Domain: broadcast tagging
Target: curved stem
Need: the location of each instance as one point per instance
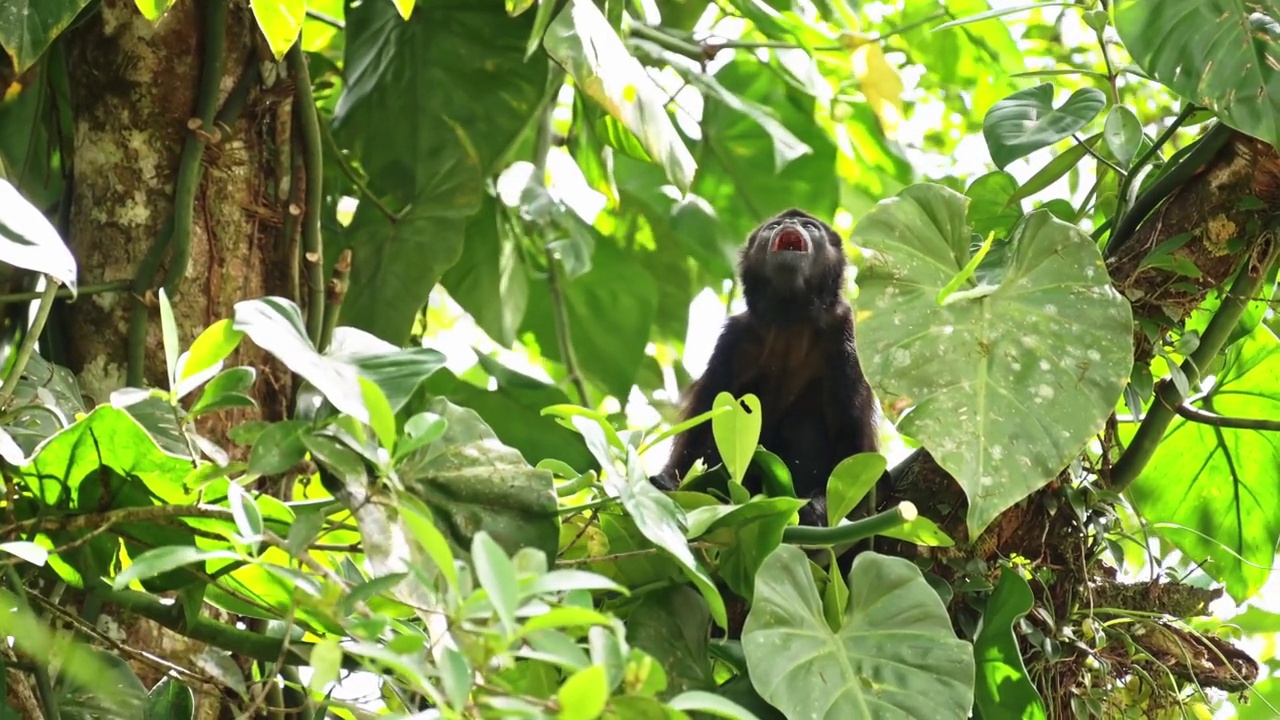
(29, 340)
(851, 532)
(313, 161)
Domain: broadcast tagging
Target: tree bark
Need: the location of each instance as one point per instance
(134, 88)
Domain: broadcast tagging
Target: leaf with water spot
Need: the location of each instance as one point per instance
(1022, 364)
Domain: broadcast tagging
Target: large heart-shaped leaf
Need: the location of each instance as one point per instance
(581, 40)
(1016, 369)
(459, 64)
(1221, 54)
(29, 241)
(1215, 490)
(1003, 687)
(894, 656)
(1027, 121)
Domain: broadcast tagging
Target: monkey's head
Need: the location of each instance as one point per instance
(791, 264)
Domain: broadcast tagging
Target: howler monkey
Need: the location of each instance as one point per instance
(793, 348)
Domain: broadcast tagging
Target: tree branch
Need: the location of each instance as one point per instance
(304, 105)
(1205, 417)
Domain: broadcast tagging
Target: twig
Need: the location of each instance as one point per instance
(1151, 431)
(64, 292)
(338, 285)
(1204, 417)
(312, 242)
(326, 19)
(361, 186)
(29, 340)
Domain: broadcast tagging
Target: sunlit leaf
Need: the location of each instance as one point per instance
(27, 239)
(1027, 120)
(1003, 687)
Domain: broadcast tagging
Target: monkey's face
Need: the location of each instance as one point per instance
(792, 248)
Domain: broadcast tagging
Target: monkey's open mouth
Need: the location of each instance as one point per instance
(790, 240)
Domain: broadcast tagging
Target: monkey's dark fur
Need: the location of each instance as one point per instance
(793, 348)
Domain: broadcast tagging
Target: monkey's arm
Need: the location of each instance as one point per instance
(698, 442)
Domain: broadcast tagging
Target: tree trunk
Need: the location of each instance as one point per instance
(134, 86)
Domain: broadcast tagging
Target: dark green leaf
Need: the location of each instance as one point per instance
(1027, 120)
(678, 640)
(279, 447)
(170, 700)
(993, 208)
(1123, 133)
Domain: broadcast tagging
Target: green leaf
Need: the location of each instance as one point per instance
(709, 703)
(1000, 12)
(581, 40)
(747, 534)
(225, 390)
(1212, 491)
(169, 335)
(1027, 121)
(279, 447)
(153, 9)
(1003, 688)
(280, 22)
(994, 208)
(1013, 375)
(326, 662)
(27, 28)
(775, 476)
(921, 531)
(245, 512)
(397, 371)
(1123, 133)
(512, 501)
(490, 279)
(381, 417)
(1221, 54)
(275, 325)
(735, 147)
(1056, 168)
(211, 347)
(170, 700)
(850, 481)
(108, 438)
(417, 519)
(27, 239)
(677, 640)
(736, 432)
(497, 576)
(584, 694)
(461, 65)
(162, 559)
(895, 655)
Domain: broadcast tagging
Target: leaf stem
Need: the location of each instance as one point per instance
(338, 285)
(852, 532)
(1168, 398)
(29, 340)
(313, 161)
(1205, 417)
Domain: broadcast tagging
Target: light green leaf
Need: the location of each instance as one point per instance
(280, 22)
(169, 335)
(1027, 121)
(1123, 133)
(584, 694)
(211, 347)
(497, 576)
(162, 559)
(152, 10)
(1013, 375)
(245, 512)
(994, 207)
(1221, 54)
(850, 481)
(381, 417)
(737, 432)
(711, 704)
(27, 239)
(226, 389)
(326, 662)
(895, 655)
(582, 41)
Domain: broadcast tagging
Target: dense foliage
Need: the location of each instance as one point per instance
(1063, 304)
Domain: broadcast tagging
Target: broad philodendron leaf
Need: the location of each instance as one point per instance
(460, 65)
(1223, 484)
(27, 239)
(170, 700)
(472, 482)
(747, 534)
(1017, 368)
(1221, 54)
(1027, 121)
(581, 40)
(108, 438)
(1003, 688)
(490, 280)
(275, 325)
(396, 371)
(894, 656)
(27, 27)
(737, 432)
(994, 207)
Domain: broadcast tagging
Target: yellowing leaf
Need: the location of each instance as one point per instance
(881, 85)
(404, 7)
(280, 21)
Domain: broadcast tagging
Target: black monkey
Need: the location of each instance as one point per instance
(793, 348)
